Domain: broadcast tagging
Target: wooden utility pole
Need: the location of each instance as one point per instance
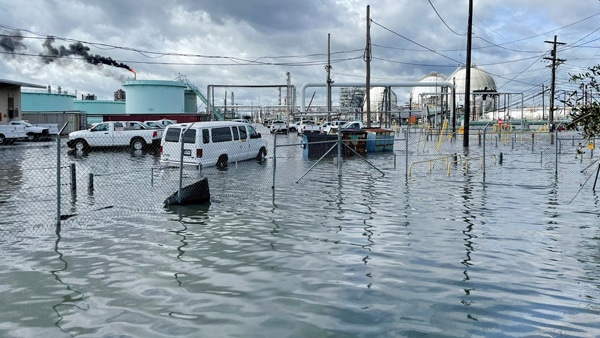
(467, 105)
(555, 63)
(367, 58)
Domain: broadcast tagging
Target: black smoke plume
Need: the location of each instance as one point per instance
(11, 41)
(52, 53)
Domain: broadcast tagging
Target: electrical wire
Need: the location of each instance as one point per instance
(439, 16)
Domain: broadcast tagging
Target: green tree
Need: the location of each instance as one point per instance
(585, 110)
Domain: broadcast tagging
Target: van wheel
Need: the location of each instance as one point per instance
(222, 162)
(137, 144)
(262, 155)
(2, 139)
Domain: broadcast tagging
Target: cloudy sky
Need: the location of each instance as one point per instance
(88, 46)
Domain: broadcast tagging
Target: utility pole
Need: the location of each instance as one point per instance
(555, 63)
(328, 68)
(367, 58)
(467, 105)
(288, 96)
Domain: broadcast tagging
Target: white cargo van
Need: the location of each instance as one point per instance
(211, 143)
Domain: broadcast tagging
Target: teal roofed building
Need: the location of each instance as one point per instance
(95, 110)
(47, 101)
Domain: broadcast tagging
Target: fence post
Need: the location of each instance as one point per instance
(532, 142)
(73, 178)
(406, 134)
(58, 179)
(274, 158)
(484, 142)
(339, 149)
(556, 152)
(58, 173)
(90, 183)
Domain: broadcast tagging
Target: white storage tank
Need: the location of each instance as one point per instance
(154, 96)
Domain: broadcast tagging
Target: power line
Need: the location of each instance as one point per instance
(416, 43)
(439, 16)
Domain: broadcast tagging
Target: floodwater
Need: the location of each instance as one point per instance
(516, 254)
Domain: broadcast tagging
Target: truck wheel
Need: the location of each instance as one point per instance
(137, 144)
(80, 145)
(222, 162)
(262, 155)
(2, 139)
(31, 137)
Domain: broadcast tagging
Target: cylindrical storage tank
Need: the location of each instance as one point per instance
(154, 96)
(42, 101)
(191, 101)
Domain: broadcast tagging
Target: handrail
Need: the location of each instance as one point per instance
(431, 160)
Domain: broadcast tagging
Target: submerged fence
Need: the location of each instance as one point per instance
(47, 183)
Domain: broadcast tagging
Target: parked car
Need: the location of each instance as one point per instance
(162, 122)
(134, 134)
(33, 133)
(326, 126)
(308, 126)
(154, 124)
(11, 133)
(278, 126)
(350, 125)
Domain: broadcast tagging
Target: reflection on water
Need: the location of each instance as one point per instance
(73, 297)
(356, 255)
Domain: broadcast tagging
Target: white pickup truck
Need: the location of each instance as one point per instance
(350, 125)
(308, 126)
(10, 133)
(34, 132)
(132, 134)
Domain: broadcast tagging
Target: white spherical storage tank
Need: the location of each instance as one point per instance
(154, 96)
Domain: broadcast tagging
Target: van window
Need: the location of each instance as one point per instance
(222, 134)
(252, 132)
(205, 136)
(243, 134)
(172, 135)
(236, 134)
(189, 136)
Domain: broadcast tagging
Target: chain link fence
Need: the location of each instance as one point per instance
(46, 183)
(423, 152)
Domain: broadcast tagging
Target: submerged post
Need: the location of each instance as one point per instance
(58, 173)
(406, 134)
(73, 178)
(90, 183)
(339, 145)
(274, 159)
